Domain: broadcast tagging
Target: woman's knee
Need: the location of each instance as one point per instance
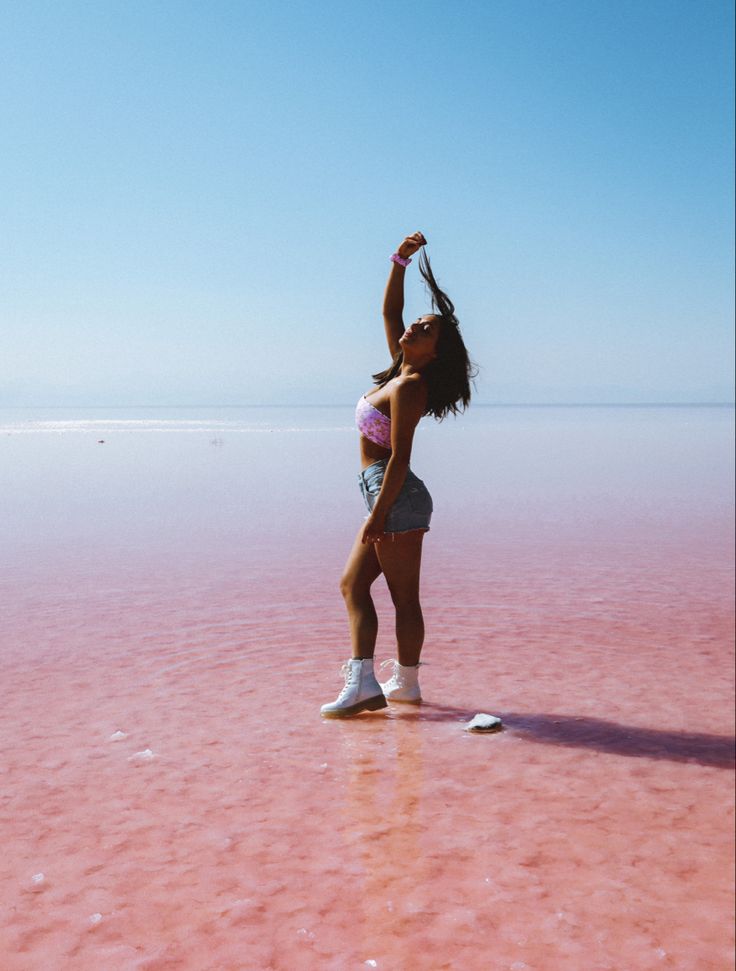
(406, 601)
(353, 590)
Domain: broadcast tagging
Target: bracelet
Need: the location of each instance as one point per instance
(400, 260)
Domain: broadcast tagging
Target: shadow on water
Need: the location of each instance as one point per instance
(581, 731)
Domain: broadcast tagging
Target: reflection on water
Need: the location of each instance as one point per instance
(382, 830)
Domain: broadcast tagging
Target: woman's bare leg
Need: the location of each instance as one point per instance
(360, 571)
(400, 560)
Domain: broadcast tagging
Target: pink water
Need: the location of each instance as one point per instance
(178, 585)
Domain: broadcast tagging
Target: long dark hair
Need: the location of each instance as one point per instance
(450, 373)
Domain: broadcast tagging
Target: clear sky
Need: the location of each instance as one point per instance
(199, 199)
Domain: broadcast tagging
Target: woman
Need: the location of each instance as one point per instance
(430, 375)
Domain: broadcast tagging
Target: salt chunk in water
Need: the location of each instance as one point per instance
(95, 918)
(143, 756)
(484, 723)
(116, 736)
(38, 883)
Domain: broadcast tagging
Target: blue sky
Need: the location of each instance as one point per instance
(199, 199)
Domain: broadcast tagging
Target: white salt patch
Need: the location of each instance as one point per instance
(143, 756)
(95, 918)
(371, 963)
(484, 723)
(116, 736)
(38, 883)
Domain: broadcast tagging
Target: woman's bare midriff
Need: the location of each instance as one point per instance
(370, 452)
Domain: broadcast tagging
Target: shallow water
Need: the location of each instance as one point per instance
(177, 584)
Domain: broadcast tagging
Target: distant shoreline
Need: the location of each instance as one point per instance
(479, 404)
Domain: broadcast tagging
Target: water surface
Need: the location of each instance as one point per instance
(170, 587)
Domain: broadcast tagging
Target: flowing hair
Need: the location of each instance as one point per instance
(450, 373)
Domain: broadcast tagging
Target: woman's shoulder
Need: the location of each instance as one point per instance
(407, 384)
(410, 388)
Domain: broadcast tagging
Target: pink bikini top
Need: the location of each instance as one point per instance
(372, 423)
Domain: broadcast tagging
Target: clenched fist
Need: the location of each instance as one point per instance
(410, 245)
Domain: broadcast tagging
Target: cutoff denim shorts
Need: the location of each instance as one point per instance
(413, 506)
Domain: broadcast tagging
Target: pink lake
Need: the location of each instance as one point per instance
(171, 624)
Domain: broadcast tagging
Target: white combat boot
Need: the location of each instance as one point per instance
(361, 692)
(403, 685)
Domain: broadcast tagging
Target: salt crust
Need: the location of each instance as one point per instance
(484, 723)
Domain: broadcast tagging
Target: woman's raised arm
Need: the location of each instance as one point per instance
(393, 298)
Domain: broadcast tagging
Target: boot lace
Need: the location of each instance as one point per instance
(388, 661)
(346, 672)
(396, 674)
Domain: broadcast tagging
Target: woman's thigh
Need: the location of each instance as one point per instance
(362, 566)
(400, 559)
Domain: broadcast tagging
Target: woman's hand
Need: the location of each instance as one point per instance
(411, 244)
(373, 529)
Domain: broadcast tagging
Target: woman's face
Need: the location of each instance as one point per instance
(421, 336)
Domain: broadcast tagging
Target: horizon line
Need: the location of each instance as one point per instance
(477, 404)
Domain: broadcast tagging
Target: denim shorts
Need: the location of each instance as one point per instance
(413, 506)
